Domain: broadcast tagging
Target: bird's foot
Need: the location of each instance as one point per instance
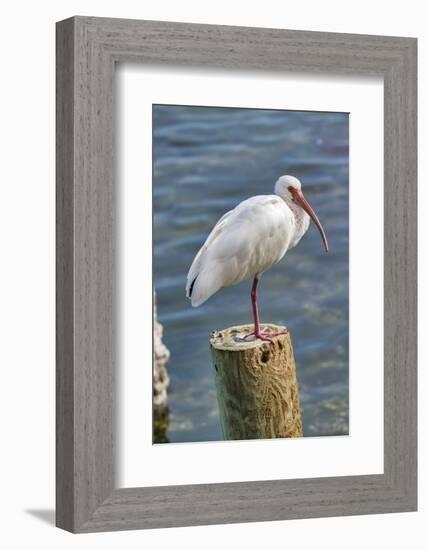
(266, 334)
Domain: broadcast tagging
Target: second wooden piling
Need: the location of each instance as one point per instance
(257, 388)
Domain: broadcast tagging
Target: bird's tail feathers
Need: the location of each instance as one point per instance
(205, 284)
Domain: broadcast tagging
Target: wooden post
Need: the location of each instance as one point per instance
(160, 359)
(257, 388)
(160, 381)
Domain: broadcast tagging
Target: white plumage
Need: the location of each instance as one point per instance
(250, 239)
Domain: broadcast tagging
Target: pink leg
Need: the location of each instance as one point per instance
(254, 305)
(258, 331)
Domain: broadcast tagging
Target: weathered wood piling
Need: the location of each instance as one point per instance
(256, 381)
(160, 381)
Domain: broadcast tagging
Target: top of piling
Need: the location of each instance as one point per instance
(238, 339)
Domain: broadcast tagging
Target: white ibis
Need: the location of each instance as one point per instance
(249, 240)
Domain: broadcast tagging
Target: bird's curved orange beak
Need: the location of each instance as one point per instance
(299, 198)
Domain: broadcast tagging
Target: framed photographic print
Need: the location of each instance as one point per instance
(236, 274)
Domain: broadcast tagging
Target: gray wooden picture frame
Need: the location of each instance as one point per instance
(87, 51)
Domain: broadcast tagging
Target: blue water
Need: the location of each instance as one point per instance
(207, 160)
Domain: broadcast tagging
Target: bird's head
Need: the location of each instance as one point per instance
(289, 188)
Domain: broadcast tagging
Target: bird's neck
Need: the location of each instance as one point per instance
(301, 220)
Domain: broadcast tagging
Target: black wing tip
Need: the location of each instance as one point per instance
(191, 286)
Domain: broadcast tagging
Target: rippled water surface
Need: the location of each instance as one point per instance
(207, 160)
